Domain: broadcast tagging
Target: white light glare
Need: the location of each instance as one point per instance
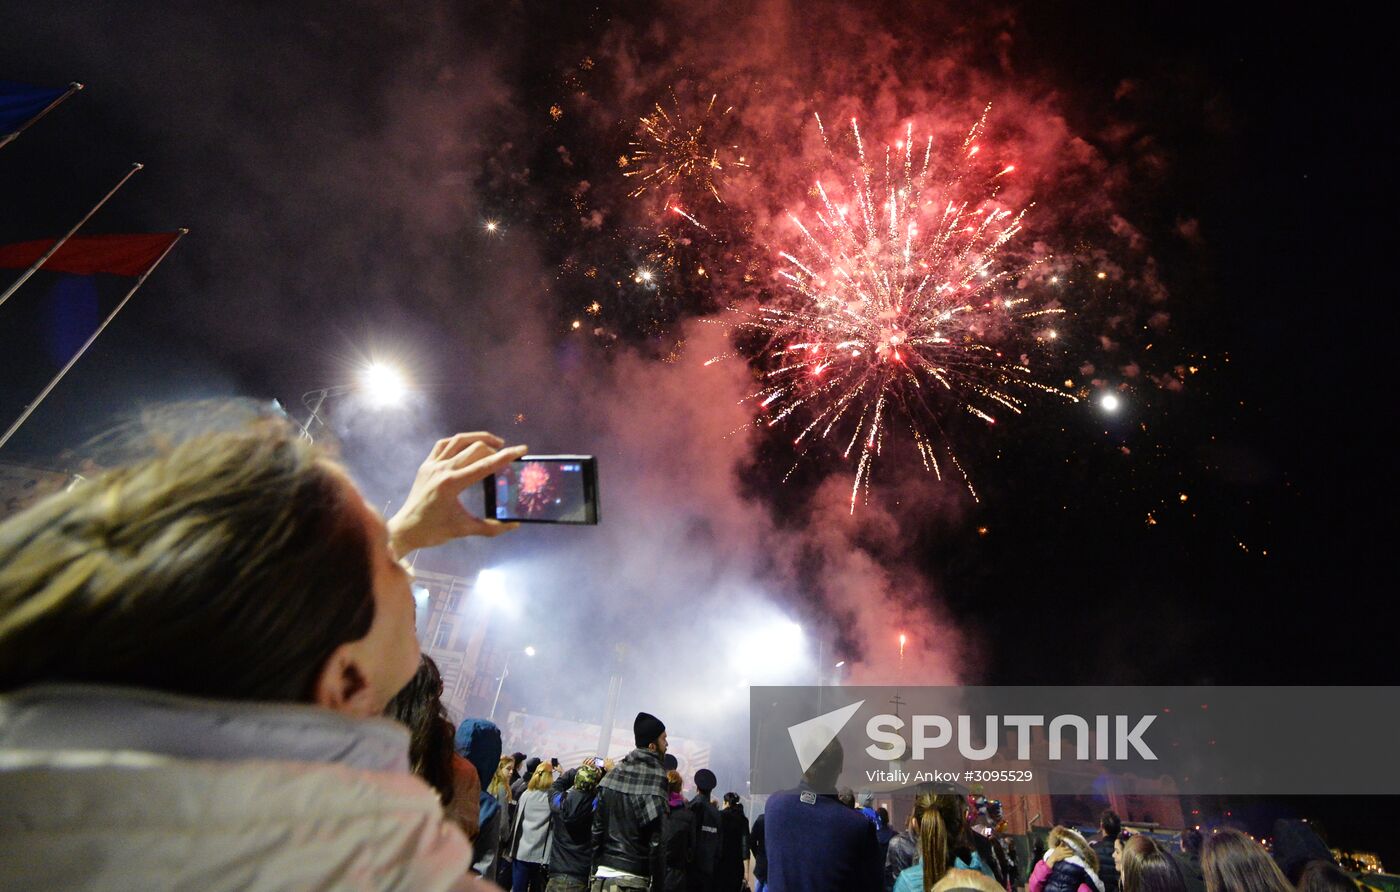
(383, 384)
(491, 586)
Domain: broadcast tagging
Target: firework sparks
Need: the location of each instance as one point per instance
(899, 306)
(679, 150)
(535, 487)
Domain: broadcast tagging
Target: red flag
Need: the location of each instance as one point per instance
(115, 255)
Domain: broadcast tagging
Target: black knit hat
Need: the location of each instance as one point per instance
(670, 762)
(705, 780)
(646, 728)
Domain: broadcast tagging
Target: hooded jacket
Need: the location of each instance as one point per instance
(1063, 875)
(479, 742)
(571, 814)
(118, 788)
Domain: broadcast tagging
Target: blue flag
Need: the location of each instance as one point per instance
(19, 103)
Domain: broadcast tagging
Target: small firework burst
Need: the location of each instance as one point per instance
(900, 306)
(680, 150)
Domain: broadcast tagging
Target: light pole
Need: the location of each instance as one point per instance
(529, 651)
(383, 384)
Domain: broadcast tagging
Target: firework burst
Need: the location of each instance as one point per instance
(681, 151)
(900, 306)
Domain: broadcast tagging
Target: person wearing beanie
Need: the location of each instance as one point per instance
(703, 876)
(630, 813)
(646, 729)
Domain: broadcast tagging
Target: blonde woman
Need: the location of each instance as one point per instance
(945, 843)
(530, 851)
(1069, 865)
(500, 783)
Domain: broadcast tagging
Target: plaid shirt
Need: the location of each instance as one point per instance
(640, 774)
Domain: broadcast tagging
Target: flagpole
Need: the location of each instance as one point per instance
(72, 88)
(61, 242)
(29, 410)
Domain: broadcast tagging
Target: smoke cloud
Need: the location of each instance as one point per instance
(338, 169)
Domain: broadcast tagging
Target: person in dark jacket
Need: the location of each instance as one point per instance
(884, 833)
(706, 867)
(900, 853)
(733, 845)
(1296, 844)
(1069, 864)
(571, 828)
(1110, 827)
(678, 836)
(816, 844)
(519, 785)
(632, 807)
(479, 742)
(1189, 860)
(759, 849)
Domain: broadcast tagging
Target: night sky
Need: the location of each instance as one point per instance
(337, 165)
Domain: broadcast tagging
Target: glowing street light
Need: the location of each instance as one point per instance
(383, 384)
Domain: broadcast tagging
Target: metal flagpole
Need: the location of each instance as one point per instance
(60, 243)
(72, 88)
(29, 410)
(505, 670)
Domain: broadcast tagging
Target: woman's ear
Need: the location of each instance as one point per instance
(343, 685)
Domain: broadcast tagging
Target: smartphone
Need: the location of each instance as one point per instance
(545, 489)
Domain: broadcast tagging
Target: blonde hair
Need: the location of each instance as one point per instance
(227, 565)
(543, 776)
(500, 782)
(959, 879)
(940, 820)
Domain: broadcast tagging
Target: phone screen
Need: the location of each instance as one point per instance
(545, 489)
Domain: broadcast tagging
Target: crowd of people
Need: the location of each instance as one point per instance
(209, 679)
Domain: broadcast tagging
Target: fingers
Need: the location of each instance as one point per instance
(493, 528)
(450, 446)
(488, 464)
(475, 453)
